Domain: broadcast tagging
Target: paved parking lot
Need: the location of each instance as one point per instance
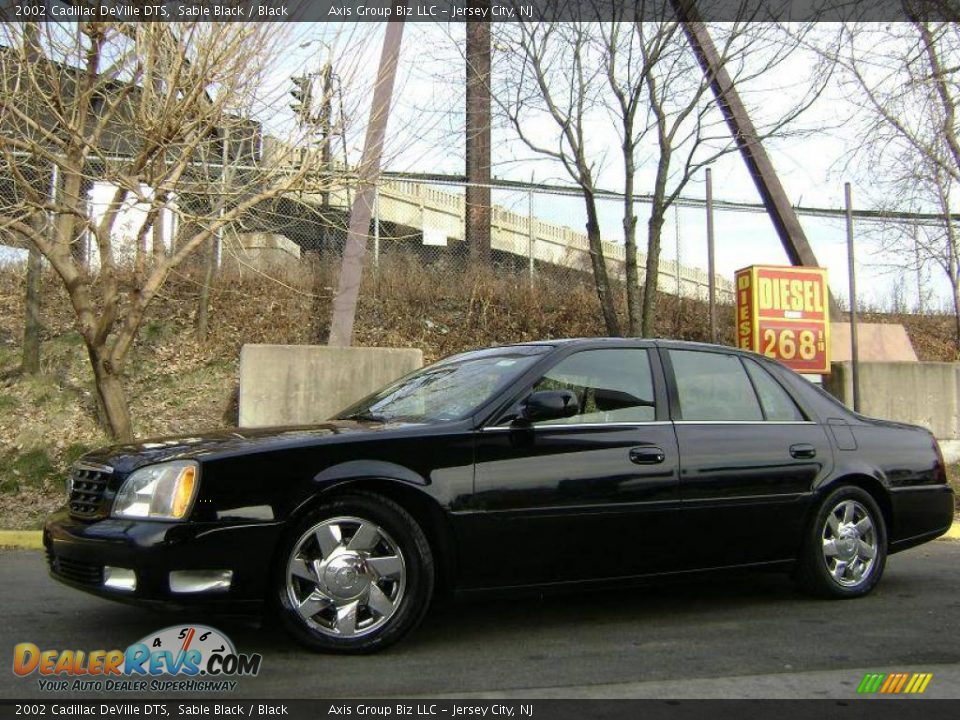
(747, 635)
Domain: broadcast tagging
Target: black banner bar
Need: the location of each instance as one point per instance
(447, 11)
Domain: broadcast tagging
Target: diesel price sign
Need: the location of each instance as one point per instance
(783, 313)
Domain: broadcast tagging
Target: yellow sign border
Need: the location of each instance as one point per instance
(753, 272)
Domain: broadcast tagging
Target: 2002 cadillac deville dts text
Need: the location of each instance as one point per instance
(553, 463)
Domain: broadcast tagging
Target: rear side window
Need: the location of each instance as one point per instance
(777, 405)
(713, 386)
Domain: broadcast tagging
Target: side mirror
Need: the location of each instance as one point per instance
(550, 405)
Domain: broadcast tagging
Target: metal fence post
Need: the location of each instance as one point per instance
(919, 263)
(854, 349)
(676, 229)
(376, 228)
(711, 262)
(531, 236)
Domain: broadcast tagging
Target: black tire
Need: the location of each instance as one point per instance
(819, 572)
(412, 587)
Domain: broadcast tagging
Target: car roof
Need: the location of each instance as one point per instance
(633, 341)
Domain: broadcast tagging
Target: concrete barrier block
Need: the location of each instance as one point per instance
(920, 393)
(304, 384)
(877, 342)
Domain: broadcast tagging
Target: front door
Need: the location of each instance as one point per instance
(587, 497)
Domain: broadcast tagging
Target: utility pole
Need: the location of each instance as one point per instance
(351, 270)
(478, 204)
(324, 123)
(758, 163)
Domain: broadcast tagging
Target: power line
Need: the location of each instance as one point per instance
(728, 205)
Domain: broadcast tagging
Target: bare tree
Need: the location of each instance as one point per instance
(683, 130)
(140, 114)
(925, 189)
(902, 81)
(941, 244)
(551, 77)
(644, 77)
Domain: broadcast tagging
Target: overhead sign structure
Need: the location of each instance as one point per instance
(783, 313)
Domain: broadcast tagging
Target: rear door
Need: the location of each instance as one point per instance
(587, 497)
(749, 459)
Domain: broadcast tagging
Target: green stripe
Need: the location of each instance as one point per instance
(871, 683)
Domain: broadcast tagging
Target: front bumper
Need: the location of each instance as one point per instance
(78, 551)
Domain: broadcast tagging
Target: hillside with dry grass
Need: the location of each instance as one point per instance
(178, 383)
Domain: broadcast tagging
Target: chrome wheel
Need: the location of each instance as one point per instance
(346, 577)
(849, 543)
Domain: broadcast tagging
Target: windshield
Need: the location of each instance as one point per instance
(452, 389)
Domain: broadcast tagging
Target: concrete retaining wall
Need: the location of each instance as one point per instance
(303, 384)
(921, 393)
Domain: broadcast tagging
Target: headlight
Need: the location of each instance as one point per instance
(162, 491)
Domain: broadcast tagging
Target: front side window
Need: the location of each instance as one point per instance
(713, 387)
(611, 386)
(452, 389)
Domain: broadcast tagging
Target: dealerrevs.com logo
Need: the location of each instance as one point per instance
(200, 658)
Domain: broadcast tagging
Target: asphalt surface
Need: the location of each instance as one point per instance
(748, 635)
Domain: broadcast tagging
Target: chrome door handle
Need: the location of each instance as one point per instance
(803, 451)
(647, 455)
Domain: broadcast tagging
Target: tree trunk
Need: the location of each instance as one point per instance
(953, 262)
(321, 308)
(956, 312)
(111, 398)
(203, 309)
(31, 320)
(478, 207)
(654, 229)
(600, 276)
(159, 242)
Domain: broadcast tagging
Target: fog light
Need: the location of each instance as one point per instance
(119, 578)
(196, 581)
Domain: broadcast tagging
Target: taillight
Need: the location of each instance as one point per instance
(941, 469)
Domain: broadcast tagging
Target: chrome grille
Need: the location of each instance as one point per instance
(87, 484)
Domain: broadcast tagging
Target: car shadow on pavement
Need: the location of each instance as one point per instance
(486, 617)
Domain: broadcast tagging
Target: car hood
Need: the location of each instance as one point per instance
(238, 441)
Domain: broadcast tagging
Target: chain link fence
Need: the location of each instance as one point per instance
(536, 234)
(533, 233)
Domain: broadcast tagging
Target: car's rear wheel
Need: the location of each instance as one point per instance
(355, 576)
(845, 550)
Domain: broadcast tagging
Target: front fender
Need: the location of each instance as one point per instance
(367, 469)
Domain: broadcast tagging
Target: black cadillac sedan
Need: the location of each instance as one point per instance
(544, 464)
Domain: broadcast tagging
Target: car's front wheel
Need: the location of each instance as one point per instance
(846, 546)
(355, 576)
